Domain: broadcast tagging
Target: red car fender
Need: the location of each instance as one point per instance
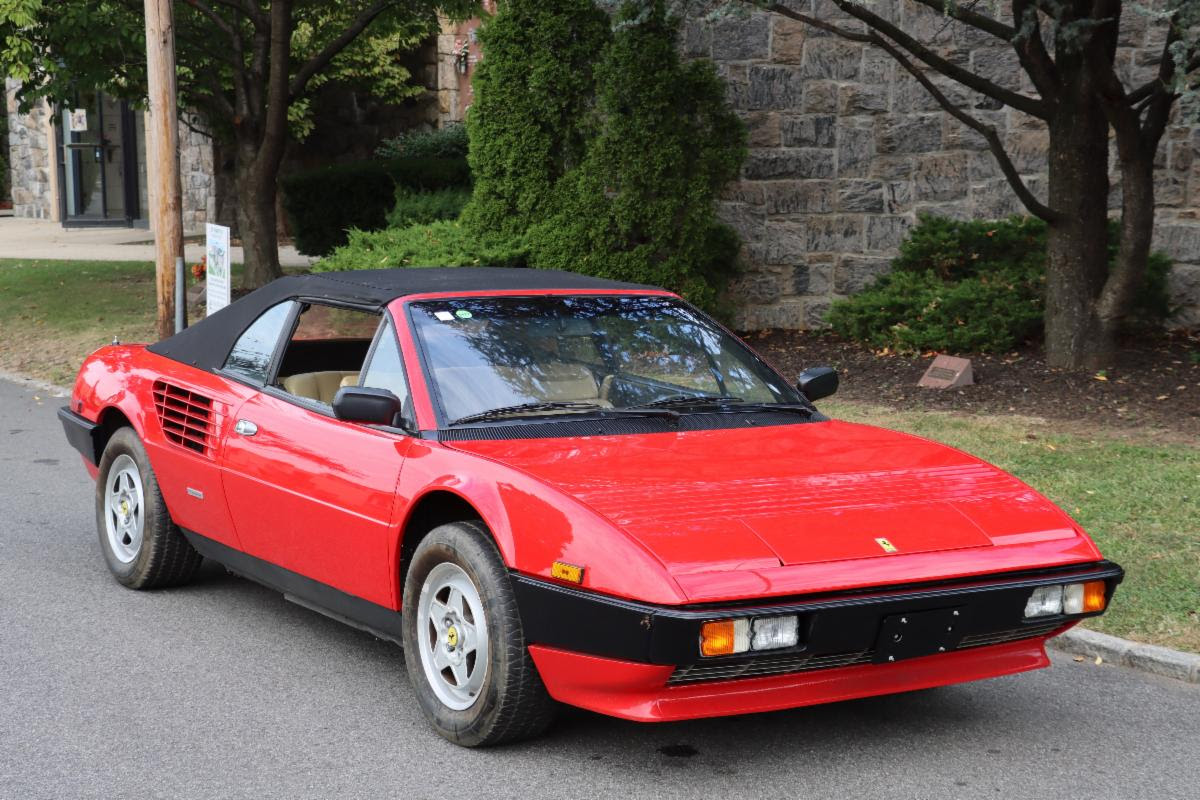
(534, 524)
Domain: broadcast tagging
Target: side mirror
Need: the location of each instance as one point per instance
(370, 406)
(817, 382)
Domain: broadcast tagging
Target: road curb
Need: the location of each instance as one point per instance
(1135, 655)
(52, 389)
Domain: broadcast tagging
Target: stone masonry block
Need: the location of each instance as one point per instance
(810, 130)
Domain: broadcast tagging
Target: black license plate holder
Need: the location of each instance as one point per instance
(921, 633)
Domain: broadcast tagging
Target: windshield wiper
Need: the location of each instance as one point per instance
(526, 408)
(676, 400)
(725, 404)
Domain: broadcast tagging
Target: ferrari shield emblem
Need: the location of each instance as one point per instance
(887, 546)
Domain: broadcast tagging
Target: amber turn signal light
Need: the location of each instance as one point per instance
(725, 637)
(563, 571)
(1093, 596)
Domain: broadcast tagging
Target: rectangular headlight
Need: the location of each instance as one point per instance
(1046, 601)
(772, 633)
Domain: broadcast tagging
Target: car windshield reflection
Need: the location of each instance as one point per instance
(514, 357)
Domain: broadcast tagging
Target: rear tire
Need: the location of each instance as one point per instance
(142, 546)
(463, 642)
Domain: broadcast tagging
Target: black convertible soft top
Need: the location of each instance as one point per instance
(207, 343)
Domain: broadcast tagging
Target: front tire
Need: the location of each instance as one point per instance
(464, 647)
(142, 546)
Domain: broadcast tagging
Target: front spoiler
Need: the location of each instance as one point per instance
(991, 607)
(639, 692)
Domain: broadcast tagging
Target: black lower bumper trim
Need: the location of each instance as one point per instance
(990, 607)
(81, 434)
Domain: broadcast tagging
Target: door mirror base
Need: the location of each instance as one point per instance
(365, 405)
(817, 382)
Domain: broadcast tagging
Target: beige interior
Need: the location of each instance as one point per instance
(321, 386)
(561, 381)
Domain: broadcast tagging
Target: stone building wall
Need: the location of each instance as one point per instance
(33, 166)
(847, 149)
(197, 176)
(31, 158)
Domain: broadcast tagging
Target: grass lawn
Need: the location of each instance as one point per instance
(1139, 497)
(1140, 501)
(53, 313)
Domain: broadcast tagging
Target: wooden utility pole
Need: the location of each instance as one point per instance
(162, 145)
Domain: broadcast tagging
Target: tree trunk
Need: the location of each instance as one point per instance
(1077, 244)
(1137, 233)
(256, 190)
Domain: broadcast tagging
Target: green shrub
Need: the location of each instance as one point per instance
(642, 204)
(533, 93)
(419, 208)
(446, 243)
(447, 142)
(972, 286)
(918, 311)
(323, 204)
(429, 174)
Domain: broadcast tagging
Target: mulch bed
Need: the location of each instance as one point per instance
(1155, 382)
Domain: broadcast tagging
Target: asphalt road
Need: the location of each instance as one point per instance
(224, 690)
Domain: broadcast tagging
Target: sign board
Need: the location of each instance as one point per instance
(77, 119)
(946, 372)
(216, 267)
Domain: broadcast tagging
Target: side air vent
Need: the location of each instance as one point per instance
(186, 417)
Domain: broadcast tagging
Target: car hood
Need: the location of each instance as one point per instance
(755, 498)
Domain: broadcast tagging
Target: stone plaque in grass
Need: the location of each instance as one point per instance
(947, 372)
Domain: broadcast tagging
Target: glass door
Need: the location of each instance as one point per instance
(99, 161)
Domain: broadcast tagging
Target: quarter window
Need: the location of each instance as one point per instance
(386, 368)
(251, 355)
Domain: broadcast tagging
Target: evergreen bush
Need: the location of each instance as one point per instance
(533, 94)
(323, 204)
(420, 207)
(449, 141)
(972, 286)
(446, 243)
(641, 206)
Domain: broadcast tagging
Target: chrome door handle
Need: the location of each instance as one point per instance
(245, 427)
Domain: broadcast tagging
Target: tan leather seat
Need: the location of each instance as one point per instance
(321, 386)
(505, 386)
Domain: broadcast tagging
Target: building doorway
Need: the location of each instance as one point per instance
(101, 162)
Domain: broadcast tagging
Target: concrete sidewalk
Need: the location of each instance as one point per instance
(36, 238)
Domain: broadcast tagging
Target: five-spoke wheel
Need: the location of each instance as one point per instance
(463, 641)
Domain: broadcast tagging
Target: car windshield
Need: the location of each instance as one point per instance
(498, 357)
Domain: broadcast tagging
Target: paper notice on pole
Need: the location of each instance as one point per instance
(217, 277)
(77, 119)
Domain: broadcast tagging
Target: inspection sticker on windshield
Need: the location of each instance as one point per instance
(462, 313)
(444, 316)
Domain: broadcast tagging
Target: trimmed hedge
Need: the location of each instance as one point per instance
(446, 243)
(447, 142)
(323, 204)
(972, 286)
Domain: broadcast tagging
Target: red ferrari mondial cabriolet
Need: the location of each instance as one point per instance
(556, 489)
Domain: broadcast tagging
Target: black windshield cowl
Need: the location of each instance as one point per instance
(725, 405)
(565, 407)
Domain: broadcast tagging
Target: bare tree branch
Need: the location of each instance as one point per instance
(1029, 105)
(330, 51)
(1028, 199)
(1031, 51)
(973, 18)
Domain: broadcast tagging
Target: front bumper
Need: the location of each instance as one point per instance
(589, 646)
